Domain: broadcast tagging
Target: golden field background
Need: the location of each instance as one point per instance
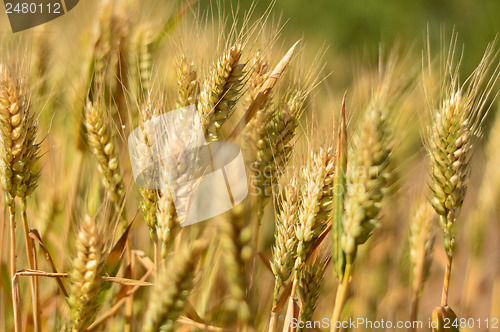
(361, 49)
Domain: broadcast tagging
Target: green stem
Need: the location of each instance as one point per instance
(341, 296)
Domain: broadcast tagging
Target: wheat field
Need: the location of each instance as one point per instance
(370, 206)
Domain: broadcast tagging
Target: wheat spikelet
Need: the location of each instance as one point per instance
(188, 85)
(366, 179)
(490, 192)
(167, 222)
(18, 134)
(85, 277)
(149, 203)
(103, 148)
(142, 50)
(421, 244)
(309, 290)
(315, 205)
(172, 289)
(219, 92)
(456, 123)
(450, 144)
(285, 247)
(236, 231)
(255, 128)
(259, 72)
(316, 202)
(274, 146)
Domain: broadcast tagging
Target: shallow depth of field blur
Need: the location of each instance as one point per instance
(362, 50)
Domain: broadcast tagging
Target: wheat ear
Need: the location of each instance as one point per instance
(103, 147)
(366, 181)
(172, 289)
(456, 124)
(285, 247)
(167, 225)
(236, 242)
(421, 245)
(316, 203)
(259, 73)
(142, 50)
(220, 91)
(85, 277)
(19, 155)
(309, 290)
(149, 203)
(273, 143)
(188, 87)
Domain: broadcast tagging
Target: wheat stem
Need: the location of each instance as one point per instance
(16, 294)
(341, 297)
(31, 263)
(446, 282)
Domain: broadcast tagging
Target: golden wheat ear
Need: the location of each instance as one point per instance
(103, 147)
(85, 276)
(220, 91)
(172, 289)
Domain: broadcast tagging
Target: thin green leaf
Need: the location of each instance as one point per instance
(339, 191)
